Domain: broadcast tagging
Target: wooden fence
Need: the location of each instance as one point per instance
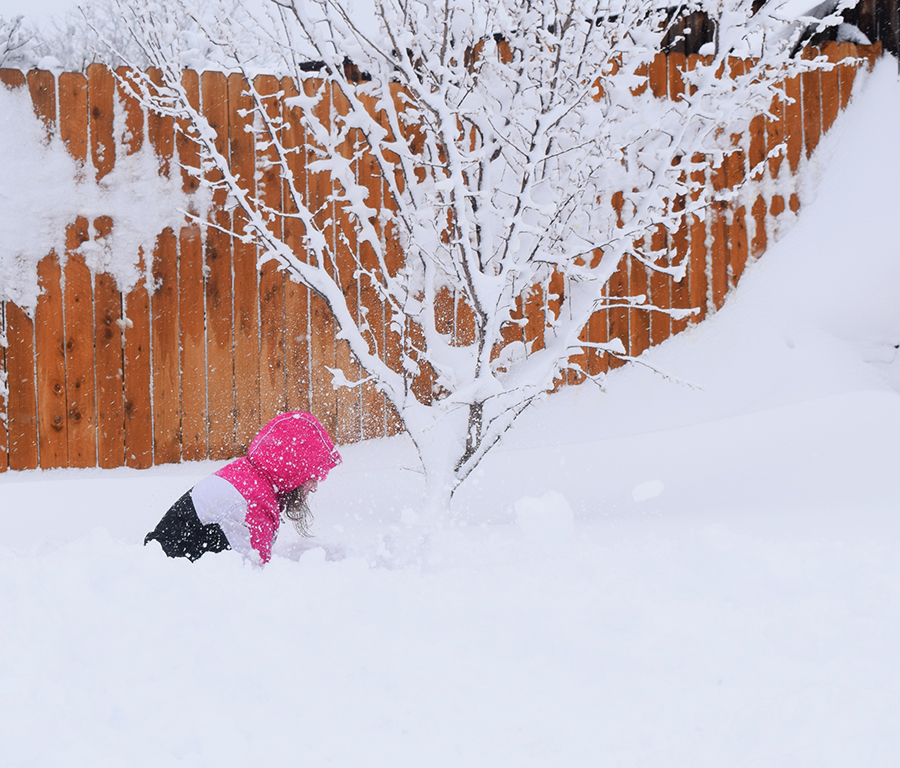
(192, 368)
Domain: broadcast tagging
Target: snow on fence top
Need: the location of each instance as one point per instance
(131, 336)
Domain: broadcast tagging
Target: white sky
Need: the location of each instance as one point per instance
(36, 11)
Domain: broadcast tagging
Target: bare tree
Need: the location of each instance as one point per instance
(17, 43)
(502, 130)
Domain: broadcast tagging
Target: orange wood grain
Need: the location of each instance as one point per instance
(49, 326)
(165, 334)
(164, 313)
(245, 321)
(192, 343)
(638, 319)
(272, 381)
(679, 250)
(321, 322)
(137, 368)
(79, 351)
(829, 80)
(698, 259)
(793, 121)
(4, 437)
(296, 295)
(219, 293)
(191, 300)
(617, 288)
(660, 287)
(349, 400)
(811, 88)
(374, 412)
(846, 72)
(102, 93)
(108, 301)
(50, 357)
(22, 420)
(108, 351)
(12, 78)
(78, 298)
(717, 257)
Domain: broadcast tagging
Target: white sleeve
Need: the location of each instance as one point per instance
(218, 501)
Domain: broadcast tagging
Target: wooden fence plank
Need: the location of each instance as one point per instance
(108, 352)
(598, 333)
(793, 130)
(660, 287)
(323, 403)
(4, 399)
(246, 290)
(735, 162)
(192, 343)
(4, 381)
(373, 404)
(679, 249)
(659, 284)
(12, 78)
(272, 382)
(191, 299)
(393, 256)
(103, 145)
(219, 296)
(349, 400)
(296, 296)
(22, 418)
(736, 223)
(136, 343)
(698, 258)
(717, 256)
(756, 159)
(138, 375)
(78, 296)
(846, 72)
(49, 327)
(638, 319)
(811, 88)
(829, 80)
(775, 138)
(166, 362)
(108, 300)
(12, 419)
(617, 288)
(79, 351)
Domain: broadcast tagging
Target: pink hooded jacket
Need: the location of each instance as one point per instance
(288, 451)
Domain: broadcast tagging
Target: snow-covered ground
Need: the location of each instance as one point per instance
(701, 572)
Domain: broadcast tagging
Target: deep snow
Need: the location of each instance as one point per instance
(703, 573)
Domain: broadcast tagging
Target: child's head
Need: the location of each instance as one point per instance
(292, 450)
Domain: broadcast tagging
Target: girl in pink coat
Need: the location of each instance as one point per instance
(240, 506)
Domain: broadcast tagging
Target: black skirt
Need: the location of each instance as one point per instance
(181, 534)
